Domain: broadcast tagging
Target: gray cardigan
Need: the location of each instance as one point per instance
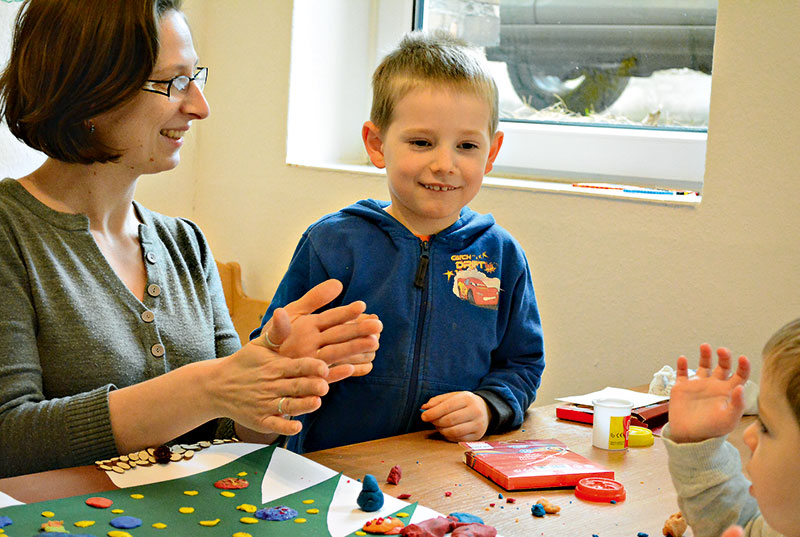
(71, 331)
(712, 490)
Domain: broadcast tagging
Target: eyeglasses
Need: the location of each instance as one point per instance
(178, 83)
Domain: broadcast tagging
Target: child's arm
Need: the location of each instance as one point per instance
(710, 405)
(458, 416)
(706, 470)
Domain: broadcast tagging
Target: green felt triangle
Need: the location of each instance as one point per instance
(161, 501)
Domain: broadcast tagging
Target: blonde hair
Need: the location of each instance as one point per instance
(430, 58)
(782, 359)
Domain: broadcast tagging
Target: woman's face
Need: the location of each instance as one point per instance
(149, 129)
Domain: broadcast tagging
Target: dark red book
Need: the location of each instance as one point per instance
(651, 416)
(531, 464)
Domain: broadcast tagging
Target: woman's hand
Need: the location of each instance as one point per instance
(458, 416)
(259, 389)
(711, 404)
(345, 337)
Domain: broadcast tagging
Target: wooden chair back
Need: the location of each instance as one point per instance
(246, 312)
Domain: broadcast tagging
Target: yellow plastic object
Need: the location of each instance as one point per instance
(640, 436)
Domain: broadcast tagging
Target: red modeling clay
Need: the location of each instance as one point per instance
(232, 483)
(100, 503)
(433, 527)
(474, 530)
(394, 475)
(403, 496)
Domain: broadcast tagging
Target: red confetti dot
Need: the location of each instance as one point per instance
(403, 496)
(448, 493)
(491, 505)
(511, 500)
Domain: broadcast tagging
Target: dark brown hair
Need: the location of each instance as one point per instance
(72, 60)
(430, 58)
(782, 359)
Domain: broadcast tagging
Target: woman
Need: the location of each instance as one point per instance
(111, 312)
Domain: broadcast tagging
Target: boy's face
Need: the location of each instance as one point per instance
(436, 151)
(774, 467)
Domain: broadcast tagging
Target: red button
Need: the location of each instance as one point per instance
(600, 489)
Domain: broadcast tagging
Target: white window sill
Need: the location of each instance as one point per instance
(597, 190)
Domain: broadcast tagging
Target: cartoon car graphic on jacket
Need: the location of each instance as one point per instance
(477, 292)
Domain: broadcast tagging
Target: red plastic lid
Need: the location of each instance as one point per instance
(600, 489)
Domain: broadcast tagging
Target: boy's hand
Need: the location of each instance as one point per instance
(710, 405)
(458, 416)
(343, 337)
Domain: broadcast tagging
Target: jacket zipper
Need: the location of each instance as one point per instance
(420, 282)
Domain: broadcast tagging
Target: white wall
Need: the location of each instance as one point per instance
(624, 287)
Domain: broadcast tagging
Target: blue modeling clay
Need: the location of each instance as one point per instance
(126, 522)
(280, 512)
(5, 521)
(467, 518)
(537, 509)
(370, 498)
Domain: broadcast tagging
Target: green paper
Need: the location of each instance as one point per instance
(162, 500)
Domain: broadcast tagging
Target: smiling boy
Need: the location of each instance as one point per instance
(462, 346)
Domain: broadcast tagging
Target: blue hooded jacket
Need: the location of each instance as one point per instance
(459, 313)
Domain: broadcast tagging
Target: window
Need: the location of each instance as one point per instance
(338, 43)
(594, 90)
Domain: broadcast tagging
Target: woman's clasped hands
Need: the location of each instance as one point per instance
(285, 371)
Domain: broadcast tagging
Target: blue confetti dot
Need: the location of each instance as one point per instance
(613, 501)
(126, 522)
(641, 534)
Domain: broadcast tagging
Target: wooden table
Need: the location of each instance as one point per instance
(432, 467)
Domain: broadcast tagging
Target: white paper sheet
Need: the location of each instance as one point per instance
(637, 398)
(7, 501)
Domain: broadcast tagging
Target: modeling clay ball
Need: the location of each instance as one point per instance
(370, 498)
(537, 509)
(383, 526)
(549, 508)
(466, 517)
(394, 475)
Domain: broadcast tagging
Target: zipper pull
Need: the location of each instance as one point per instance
(422, 266)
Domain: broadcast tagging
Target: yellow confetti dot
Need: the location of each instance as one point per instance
(209, 522)
(242, 474)
(48, 514)
(247, 508)
(186, 510)
(359, 533)
(227, 494)
(159, 525)
(241, 534)
(2, 530)
(190, 492)
(84, 523)
(248, 520)
(116, 533)
(401, 515)
(118, 511)
(137, 496)
(312, 511)
(308, 501)
(300, 520)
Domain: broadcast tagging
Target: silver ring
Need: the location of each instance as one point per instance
(280, 405)
(270, 344)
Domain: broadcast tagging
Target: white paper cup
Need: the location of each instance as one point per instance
(611, 423)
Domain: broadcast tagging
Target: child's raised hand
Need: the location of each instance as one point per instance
(458, 416)
(710, 405)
